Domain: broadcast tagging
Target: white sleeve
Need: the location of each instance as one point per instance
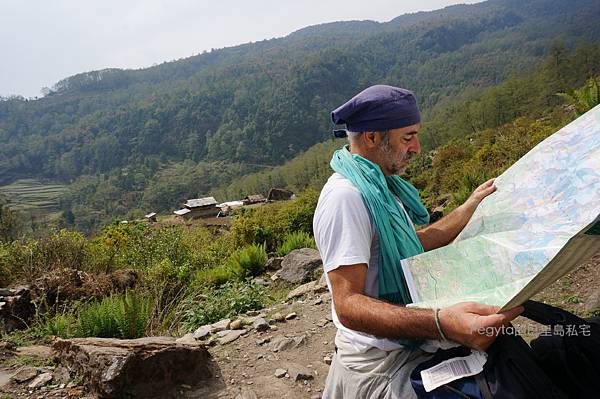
(342, 228)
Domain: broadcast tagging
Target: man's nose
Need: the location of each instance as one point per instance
(415, 146)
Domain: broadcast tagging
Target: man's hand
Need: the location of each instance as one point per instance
(480, 193)
(473, 324)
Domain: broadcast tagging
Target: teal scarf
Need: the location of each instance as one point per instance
(397, 237)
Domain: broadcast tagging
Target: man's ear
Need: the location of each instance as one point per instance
(371, 139)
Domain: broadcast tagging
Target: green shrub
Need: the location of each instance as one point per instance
(231, 299)
(214, 276)
(249, 261)
(117, 316)
(61, 325)
(268, 224)
(296, 240)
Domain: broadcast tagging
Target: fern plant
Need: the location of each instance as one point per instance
(296, 240)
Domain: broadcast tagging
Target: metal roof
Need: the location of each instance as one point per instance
(198, 202)
(182, 212)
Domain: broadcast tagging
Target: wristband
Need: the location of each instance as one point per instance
(438, 325)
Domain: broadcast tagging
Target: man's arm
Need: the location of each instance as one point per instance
(460, 323)
(445, 230)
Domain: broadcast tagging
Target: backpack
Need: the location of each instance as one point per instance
(558, 366)
(570, 356)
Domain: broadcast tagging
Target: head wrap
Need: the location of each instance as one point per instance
(377, 108)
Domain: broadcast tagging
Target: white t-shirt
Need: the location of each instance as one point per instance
(345, 235)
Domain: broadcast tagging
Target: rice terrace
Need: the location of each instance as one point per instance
(35, 198)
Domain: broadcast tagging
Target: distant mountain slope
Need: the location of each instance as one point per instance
(262, 103)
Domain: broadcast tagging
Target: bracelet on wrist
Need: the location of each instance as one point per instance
(438, 324)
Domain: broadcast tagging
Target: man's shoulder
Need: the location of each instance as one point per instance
(339, 185)
(339, 195)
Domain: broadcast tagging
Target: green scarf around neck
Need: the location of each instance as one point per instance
(397, 237)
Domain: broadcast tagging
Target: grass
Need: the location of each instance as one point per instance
(296, 240)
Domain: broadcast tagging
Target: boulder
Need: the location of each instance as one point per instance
(16, 308)
(298, 372)
(314, 287)
(260, 324)
(142, 368)
(40, 381)
(273, 264)
(202, 331)
(25, 374)
(299, 265)
(220, 325)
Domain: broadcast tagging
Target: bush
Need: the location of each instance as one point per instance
(249, 261)
(214, 276)
(61, 325)
(230, 300)
(117, 316)
(296, 240)
(268, 224)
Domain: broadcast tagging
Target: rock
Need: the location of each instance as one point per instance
(252, 313)
(299, 341)
(261, 281)
(592, 304)
(263, 341)
(231, 336)
(145, 367)
(274, 277)
(299, 265)
(16, 308)
(317, 301)
(326, 359)
(38, 351)
(260, 324)
(186, 339)
(322, 281)
(281, 343)
(322, 322)
(236, 324)
(61, 375)
(221, 334)
(246, 393)
(202, 332)
(280, 373)
(291, 316)
(40, 381)
(302, 290)
(299, 373)
(273, 264)
(25, 374)
(277, 317)
(220, 325)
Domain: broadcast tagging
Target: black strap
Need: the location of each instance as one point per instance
(549, 315)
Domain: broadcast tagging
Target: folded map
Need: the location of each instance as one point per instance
(541, 223)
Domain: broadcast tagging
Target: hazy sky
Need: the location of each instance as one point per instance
(43, 41)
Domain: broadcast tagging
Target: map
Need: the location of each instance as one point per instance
(541, 223)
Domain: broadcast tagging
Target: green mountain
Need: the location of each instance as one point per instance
(132, 139)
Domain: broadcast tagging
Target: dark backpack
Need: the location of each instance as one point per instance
(570, 356)
(555, 366)
(512, 371)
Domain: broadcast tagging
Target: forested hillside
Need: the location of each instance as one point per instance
(130, 141)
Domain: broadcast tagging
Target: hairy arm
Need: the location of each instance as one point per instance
(445, 230)
(460, 323)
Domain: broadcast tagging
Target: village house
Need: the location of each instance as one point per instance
(202, 207)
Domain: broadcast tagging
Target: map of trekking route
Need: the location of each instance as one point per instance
(541, 223)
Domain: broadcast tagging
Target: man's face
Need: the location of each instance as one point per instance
(397, 149)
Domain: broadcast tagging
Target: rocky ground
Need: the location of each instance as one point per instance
(280, 352)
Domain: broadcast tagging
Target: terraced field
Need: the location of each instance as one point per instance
(35, 199)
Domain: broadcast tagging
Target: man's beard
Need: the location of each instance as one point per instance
(391, 164)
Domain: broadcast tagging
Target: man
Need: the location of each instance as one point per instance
(363, 228)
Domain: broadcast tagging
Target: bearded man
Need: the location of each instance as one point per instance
(363, 227)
